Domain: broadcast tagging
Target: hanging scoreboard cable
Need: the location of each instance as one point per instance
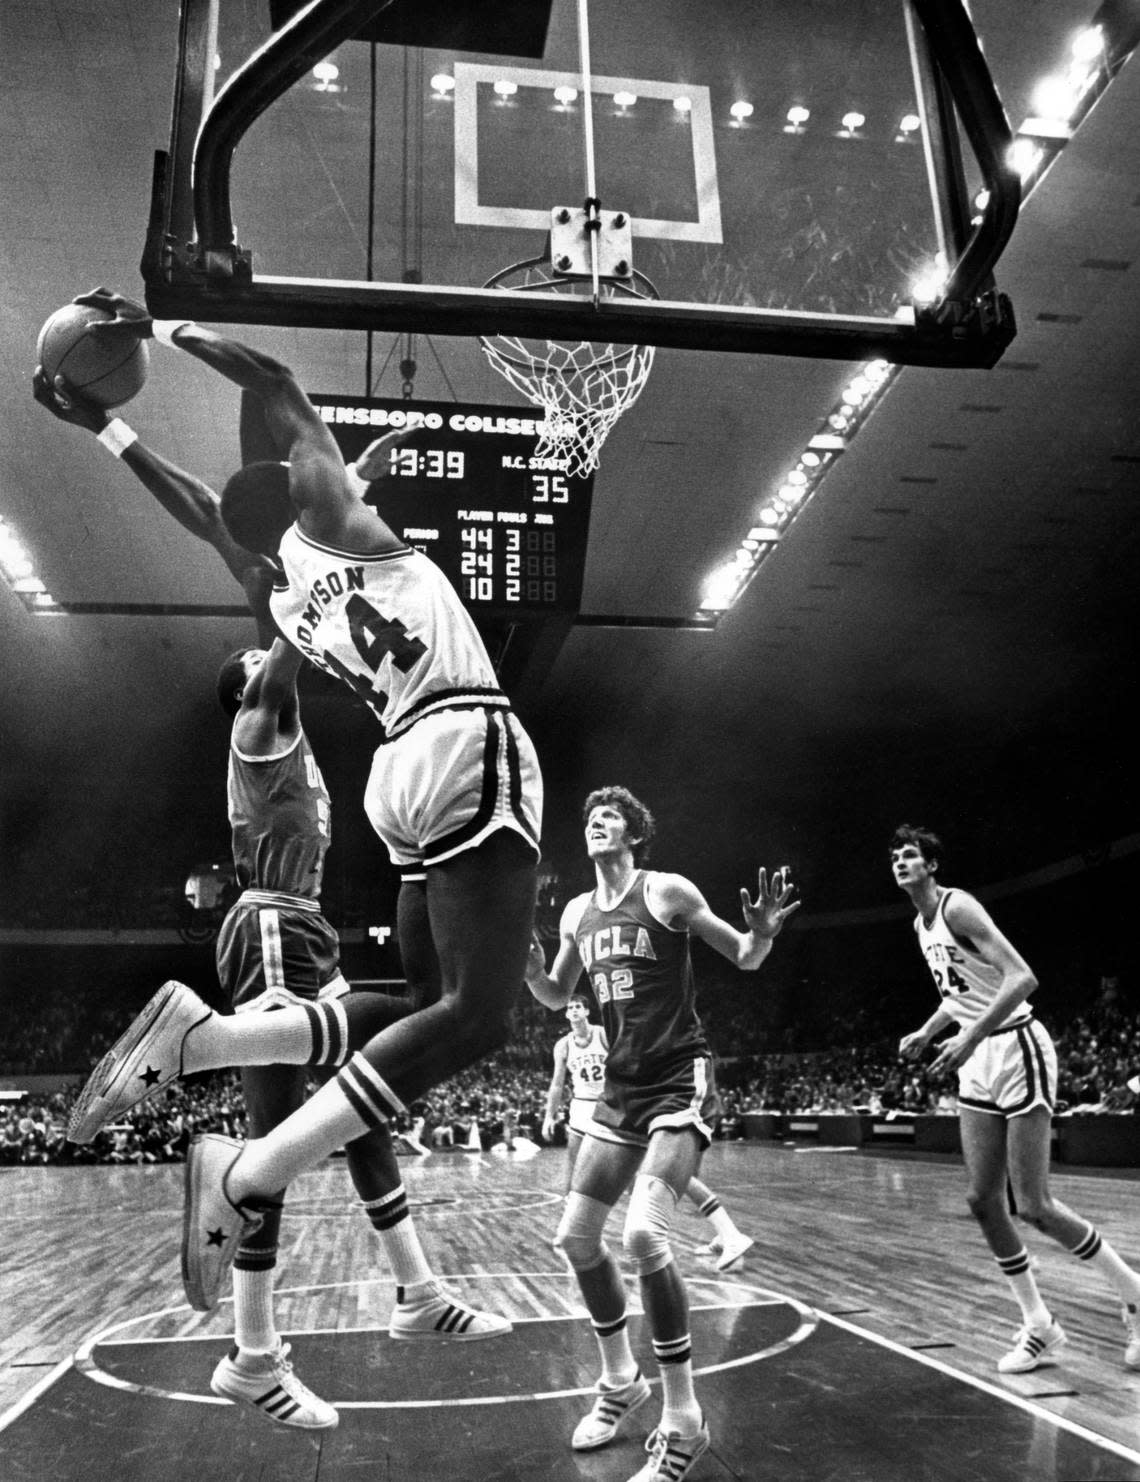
(467, 488)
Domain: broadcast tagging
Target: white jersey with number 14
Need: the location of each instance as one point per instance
(390, 626)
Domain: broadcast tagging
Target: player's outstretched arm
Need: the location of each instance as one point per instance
(552, 989)
(326, 501)
(270, 711)
(679, 902)
(192, 503)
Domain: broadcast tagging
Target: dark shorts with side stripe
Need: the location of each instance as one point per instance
(1012, 1071)
(271, 955)
(684, 1095)
(449, 782)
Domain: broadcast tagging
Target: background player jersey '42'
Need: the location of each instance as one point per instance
(642, 977)
(391, 626)
(586, 1064)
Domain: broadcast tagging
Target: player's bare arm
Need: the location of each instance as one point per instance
(678, 902)
(270, 713)
(328, 506)
(192, 503)
(556, 1087)
(553, 989)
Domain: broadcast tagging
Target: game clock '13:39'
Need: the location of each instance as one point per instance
(467, 487)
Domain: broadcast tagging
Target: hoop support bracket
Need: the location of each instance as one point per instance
(573, 228)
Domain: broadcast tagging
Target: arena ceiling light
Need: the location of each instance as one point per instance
(1096, 57)
(19, 572)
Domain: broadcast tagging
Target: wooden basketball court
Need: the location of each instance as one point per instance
(857, 1339)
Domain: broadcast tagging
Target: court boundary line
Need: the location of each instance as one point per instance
(1020, 1402)
(44, 1383)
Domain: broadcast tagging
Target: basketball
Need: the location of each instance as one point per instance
(107, 374)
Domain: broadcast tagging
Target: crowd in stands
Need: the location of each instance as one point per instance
(504, 1098)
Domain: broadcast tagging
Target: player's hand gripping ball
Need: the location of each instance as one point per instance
(107, 372)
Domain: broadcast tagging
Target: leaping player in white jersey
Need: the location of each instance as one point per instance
(1007, 1080)
(581, 1057)
(455, 793)
(274, 948)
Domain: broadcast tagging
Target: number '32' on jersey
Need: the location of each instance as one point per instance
(642, 977)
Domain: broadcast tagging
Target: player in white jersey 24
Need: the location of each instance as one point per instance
(1007, 1079)
(455, 790)
(580, 1056)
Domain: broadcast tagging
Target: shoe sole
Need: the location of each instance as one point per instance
(447, 1337)
(634, 1404)
(91, 1112)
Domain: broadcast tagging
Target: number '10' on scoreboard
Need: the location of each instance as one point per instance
(467, 487)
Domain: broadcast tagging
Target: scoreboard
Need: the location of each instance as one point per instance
(467, 488)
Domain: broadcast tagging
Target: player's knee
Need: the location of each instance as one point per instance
(1036, 1209)
(473, 1030)
(647, 1221)
(987, 1204)
(579, 1236)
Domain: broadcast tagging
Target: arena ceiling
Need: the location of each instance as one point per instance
(948, 634)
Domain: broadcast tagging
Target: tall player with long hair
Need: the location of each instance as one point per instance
(653, 1121)
(1007, 1084)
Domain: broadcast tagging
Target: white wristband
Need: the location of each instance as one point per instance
(163, 330)
(117, 437)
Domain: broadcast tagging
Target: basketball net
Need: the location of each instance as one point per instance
(584, 388)
(581, 388)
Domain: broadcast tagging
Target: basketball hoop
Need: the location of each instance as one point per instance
(583, 388)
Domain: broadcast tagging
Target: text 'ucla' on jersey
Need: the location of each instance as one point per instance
(642, 977)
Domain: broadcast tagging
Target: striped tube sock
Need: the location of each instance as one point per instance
(254, 1327)
(1017, 1271)
(328, 1023)
(366, 1091)
(680, 1413)
(619, 1367)
(309, 1034)
(715, 1212)
(391, 1219)
(1096, 1250)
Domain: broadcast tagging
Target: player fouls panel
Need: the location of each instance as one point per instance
(468, 486)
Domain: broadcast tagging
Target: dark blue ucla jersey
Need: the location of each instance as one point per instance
(642, 977)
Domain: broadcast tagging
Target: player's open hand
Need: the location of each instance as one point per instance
(773, 904)
(536, 960)
(130, 318)
(64, 402)
(952, 1053)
